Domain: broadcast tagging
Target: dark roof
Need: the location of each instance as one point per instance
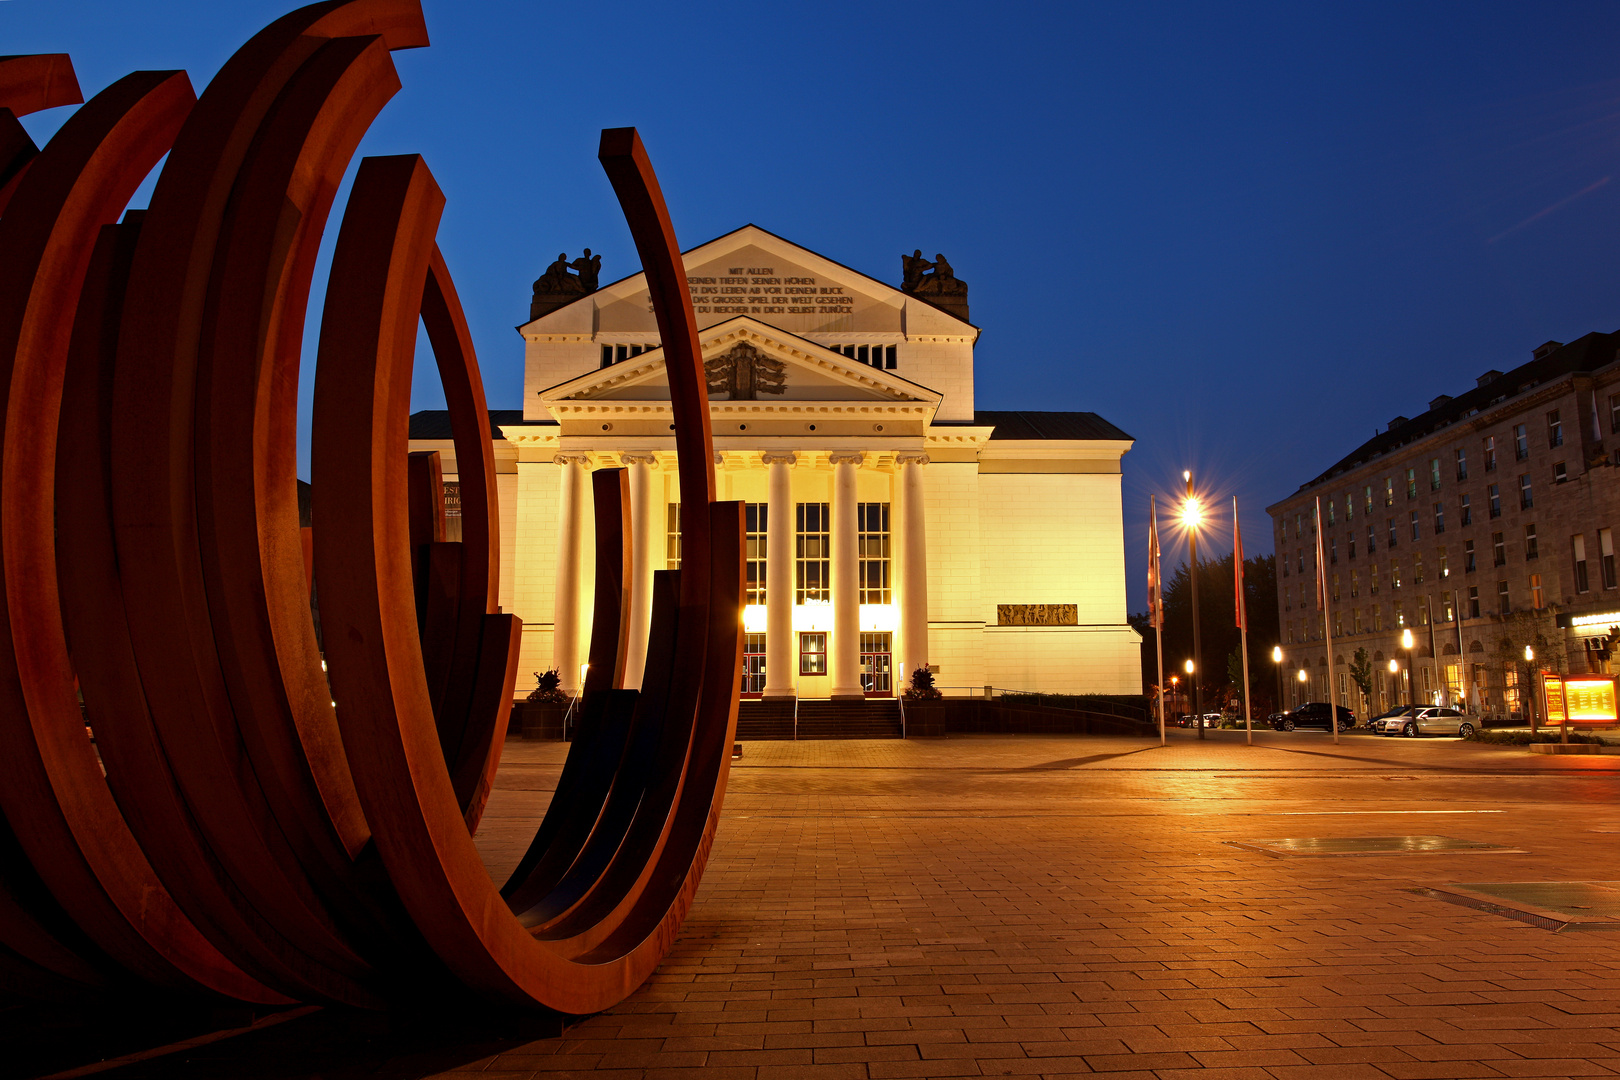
(435, 423)
(1587, 353)
(1047, 425)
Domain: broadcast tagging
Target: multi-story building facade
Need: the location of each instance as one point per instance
(891, 524)
(1484, 526)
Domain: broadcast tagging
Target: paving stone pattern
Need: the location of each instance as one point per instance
(1054, 906)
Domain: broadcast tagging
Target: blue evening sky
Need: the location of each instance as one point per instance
(1247, 234)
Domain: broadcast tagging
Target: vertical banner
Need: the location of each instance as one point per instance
(1241, 611)
(1323, 604)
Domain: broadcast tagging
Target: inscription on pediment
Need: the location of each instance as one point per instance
(760, 290)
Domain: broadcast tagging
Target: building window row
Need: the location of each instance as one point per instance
(878, 356)
(613, 354)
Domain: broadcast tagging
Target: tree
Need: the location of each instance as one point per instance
(1361, 672)
(1218, 626)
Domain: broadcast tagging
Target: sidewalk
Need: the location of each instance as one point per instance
(1051, 905)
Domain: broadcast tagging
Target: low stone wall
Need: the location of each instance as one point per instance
(961, 716)
(536, 720)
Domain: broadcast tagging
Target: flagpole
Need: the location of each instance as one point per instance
(1156, 602)
(1243, 623)
(1327, 622)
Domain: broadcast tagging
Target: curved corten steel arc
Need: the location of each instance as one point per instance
(247, 824)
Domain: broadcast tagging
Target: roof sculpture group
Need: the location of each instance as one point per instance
(245, 823)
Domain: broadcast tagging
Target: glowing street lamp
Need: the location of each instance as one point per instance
(1276, 658)
(1192, 515)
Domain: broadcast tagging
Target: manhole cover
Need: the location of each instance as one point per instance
(1372, 845)
(1553, 905)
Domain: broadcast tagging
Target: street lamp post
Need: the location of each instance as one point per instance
(1191, 516)
(1529, 695)
(1192, 680)
(1406, 643)
(1276, 658)
(1304, 684)
(1175, 691)
(1395, 677)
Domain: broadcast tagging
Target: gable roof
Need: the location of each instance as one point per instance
(435, 423)
(800, 352)
(751, 233)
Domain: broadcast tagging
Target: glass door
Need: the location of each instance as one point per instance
(753, 673)
(877, 677)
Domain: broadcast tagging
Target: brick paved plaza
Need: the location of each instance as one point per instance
(1042, 905)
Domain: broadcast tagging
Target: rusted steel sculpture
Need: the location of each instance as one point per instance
(255, 819)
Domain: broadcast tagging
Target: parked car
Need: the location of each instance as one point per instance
(1312, 714)
(1431, 720)
(1374, 721)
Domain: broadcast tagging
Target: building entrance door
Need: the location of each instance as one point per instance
(753, 673)
(877, 676)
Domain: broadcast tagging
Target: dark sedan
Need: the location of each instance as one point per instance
(1312, 714)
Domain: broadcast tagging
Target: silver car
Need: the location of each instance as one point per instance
(1430, 720)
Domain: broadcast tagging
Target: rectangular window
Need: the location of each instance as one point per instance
(753, 677)
(1335, 588)
(1389, 491)
(1468, 556)
(1290, 631)
(1531, 551)
(1434, 474)
(1473, 601)
(1614, 414)
(1447, 611)
(1560, 473)
(1555, 433)
(1372, 540)
(1350, 506)
(813, 556)
(1332, 506)
(1504, 605)
(1372, 579)
(1393, 537)
(1297, 519)
(1582, 583)
(754, 518)
(1439, 518)
(672, 536)
(1299, 555)
(1367, 506)
(612, 354)
(1357, 615)
(1411, 483)
(1537, 601)
(1288, 598)
(1355, 584)
(1394, 574)
(1498, 550)
(1338, 623)
(813, 652)
(1423, 613)
(1378, 618)
(1490, 453)
(1495, 498)
(1440, 561)
(1415, 534)
(1417, 568)
(873, 544)
(1462, 464)
(1526, 500)
(1351, 543)
(1333, 550)
(1521, 442)
(1467, 512)
(1606, 555)
(1400, 614)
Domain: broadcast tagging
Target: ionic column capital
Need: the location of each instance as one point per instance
(911, 457)
(846, 457)
(638, 457)
(572, 459)
(779, 457)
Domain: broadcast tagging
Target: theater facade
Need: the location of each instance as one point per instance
(890, 524)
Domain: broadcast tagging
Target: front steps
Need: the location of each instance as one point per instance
(874, 718)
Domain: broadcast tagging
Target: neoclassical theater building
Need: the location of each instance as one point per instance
(890, 525)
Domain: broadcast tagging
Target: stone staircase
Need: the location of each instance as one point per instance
(874, 718)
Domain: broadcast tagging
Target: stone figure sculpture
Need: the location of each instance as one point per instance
(743, 372)
(936, 282)
(558, 287)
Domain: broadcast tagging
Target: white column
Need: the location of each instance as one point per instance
(646, 536)
(570, 550)
(780, 526)
(913, 551)
(844, 661)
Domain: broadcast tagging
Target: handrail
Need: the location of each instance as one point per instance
(567, 713)
(795, 717)
(901, 698)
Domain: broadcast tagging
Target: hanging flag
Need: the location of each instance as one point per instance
(1237, 569)
(1321, 562)
(1155, 600)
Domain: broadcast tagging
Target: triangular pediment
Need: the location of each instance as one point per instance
(751, 271)
(746, 359)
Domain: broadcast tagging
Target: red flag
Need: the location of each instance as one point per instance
(1155, 601)
(1237, 569)
(1321, 562)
